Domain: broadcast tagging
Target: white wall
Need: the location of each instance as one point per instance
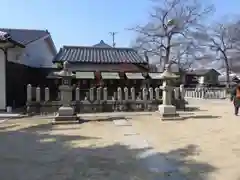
(2, 81)
(15, 54)
(36, 54)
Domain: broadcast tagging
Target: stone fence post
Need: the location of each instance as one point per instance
(151, 94)
(126, 93)
(91, 94)
(105, 94)
(77, 94)
(157, 93)
(99, 90)
(133, 95)
(29, 92)
(182, 91)
(177, 94)
(46, 93)
(38, 94)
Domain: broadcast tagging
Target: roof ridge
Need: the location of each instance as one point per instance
(96, 47)
(25, 36)
(22, 29)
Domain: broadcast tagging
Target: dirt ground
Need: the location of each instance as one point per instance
(207, 142)
(33, 149)
(204, 146)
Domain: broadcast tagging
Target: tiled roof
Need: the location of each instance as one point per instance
(24, 36)
(90, 54)
(201, 72)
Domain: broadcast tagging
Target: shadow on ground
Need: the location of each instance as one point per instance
(201, 117)
(35, 153)
(191, 109)
(104, 118)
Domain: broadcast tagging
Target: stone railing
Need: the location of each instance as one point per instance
(99, 100)
(206, 93)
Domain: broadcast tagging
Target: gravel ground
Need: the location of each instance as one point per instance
(203, 146)
(33, 149)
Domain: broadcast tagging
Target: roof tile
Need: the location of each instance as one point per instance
(91, 54)
(24, 36)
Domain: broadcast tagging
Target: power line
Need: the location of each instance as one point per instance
(113, 34)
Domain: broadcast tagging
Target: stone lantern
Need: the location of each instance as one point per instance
(166, 109)
(66, 111)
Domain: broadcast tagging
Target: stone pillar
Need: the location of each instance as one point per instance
(133, 95)
(182, 91)
(47, 96)
(38, 94)
(177, 93)
(77, 94)
(29, 92)
(105, 94)
(157, 94)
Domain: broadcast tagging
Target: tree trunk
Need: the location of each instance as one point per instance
(168, 50)
(227, 72)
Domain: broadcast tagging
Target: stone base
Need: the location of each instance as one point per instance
(168, 112)
(65, 114)
(66, 119)
(66, 111)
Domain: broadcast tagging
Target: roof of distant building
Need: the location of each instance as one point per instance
(200, 72)
(99, 54)
(22, 36)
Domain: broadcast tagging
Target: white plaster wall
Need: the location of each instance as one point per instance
(2, 81)
(37, 54)
(15, 54)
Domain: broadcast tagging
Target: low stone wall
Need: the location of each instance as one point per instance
(206, 93)
(98, 100)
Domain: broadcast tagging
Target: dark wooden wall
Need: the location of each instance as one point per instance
(18, 76)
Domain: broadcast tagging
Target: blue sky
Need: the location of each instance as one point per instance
(86, 22)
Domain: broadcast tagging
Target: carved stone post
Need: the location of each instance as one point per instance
(157, 93)
(38, 94)
(29, 92)
(125, 106)
(150, 107)
(182, 91)
(29, 98)
(77, 94)
(47, 98)
(105, 94)
(145, 98)
(119, 98)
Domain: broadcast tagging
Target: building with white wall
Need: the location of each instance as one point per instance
(33, 48)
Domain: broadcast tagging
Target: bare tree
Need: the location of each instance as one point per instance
(223, 40)
(171, 25)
